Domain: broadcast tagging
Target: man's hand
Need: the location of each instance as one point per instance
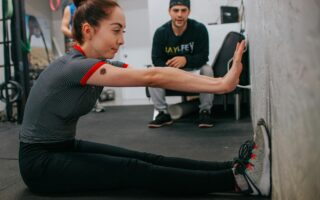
(177, 62)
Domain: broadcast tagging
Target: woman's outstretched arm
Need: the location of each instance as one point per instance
(170, 78)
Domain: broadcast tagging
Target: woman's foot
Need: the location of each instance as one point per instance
(254, 167)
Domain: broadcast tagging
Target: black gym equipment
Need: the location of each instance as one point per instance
(15, 89)
(19, 57)
(10, 91)
(6, 16)
(229, 14)
(107, 95)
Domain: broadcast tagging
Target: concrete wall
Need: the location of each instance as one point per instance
(2, 105)
(284, 37)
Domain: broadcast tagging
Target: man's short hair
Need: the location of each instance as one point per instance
(179, 2)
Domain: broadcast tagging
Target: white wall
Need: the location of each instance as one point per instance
(136, 50)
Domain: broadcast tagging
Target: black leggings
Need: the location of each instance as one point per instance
(86, 166)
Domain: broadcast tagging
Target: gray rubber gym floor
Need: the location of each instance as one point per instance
(126, 126)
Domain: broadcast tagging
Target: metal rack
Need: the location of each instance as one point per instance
(15, 89)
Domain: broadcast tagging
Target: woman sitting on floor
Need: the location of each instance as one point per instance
(53, 161)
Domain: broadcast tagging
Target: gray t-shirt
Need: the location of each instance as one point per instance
(59, 98)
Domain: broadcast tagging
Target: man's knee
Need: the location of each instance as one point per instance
(206, 70)
(156, 90)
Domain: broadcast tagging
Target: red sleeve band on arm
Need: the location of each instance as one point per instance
(94, 68)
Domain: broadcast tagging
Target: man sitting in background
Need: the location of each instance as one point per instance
(181, 43)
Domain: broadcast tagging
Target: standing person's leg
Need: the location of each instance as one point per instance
(206, 101)
(97, 148)
(57, 169)
(158, 97)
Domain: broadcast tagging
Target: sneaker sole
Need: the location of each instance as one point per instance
(264, 186)
(265, 183)
(160, 125)
(205, 125)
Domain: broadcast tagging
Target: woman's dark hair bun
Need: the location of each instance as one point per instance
(77, 3)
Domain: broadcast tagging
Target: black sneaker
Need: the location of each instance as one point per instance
(205, 119)
(162, 119)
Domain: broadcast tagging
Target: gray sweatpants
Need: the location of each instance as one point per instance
(206, 99)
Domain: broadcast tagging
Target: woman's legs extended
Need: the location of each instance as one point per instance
(54, 171)
(97, 148)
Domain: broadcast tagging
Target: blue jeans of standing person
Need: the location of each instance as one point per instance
(79, 166)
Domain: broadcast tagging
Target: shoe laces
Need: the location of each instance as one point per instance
(245, 155)
(245, 151)
(160, 115)
(204, 116)
(205, 112)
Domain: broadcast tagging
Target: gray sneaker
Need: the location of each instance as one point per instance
(256, 170)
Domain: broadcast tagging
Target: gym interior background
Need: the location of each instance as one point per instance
(284, 39)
